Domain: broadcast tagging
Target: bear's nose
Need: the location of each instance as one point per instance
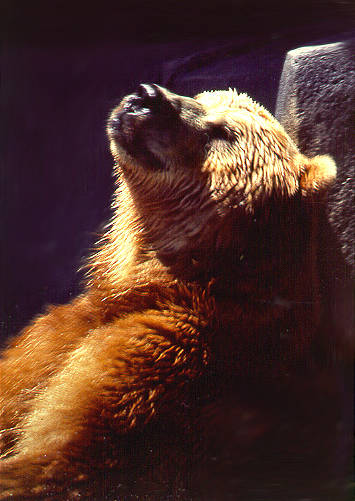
(147, 98)
(154, 98)
(149, 91)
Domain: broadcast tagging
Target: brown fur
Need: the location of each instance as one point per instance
(207, 275)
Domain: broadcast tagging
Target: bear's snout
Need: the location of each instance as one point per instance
(149, 101)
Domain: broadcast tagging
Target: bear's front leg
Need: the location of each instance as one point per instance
(120, 376)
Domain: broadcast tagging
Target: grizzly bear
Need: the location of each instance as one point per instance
(206, 277)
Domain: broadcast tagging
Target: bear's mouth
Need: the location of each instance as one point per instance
(148, 107)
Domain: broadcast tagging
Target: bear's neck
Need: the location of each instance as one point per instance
(246, 256)
(171, 214)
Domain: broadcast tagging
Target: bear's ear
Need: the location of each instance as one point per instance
(318, 173)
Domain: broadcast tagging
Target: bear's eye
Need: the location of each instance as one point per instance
(218, 131)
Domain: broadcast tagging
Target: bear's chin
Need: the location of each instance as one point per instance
(131, 156)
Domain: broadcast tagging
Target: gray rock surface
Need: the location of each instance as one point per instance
(316, 105)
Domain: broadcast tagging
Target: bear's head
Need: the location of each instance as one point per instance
(200, 172)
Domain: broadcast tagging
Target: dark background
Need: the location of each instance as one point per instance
(65, 65)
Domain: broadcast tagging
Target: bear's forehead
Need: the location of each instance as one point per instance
(230, 101)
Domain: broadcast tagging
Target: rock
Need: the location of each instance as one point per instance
(316, 105)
